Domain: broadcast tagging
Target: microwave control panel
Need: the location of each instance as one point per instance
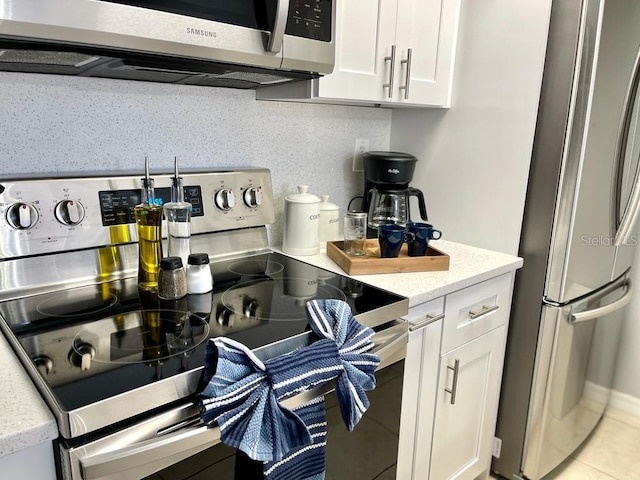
(310, 19)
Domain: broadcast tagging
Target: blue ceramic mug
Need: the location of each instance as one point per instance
(423, 232)
(391, 237)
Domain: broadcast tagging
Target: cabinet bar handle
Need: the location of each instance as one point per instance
(407, 80)
(454, 385)
(483, 311)
(428, 319)
(392, 67)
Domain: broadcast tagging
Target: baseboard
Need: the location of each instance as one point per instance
(625, 403)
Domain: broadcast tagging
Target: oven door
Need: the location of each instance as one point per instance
(174, 439)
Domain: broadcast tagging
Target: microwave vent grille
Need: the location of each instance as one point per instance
(43, 57)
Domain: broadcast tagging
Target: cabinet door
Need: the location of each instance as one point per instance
(419, 389)
(428, 29)
(364, 37)
(465, 420)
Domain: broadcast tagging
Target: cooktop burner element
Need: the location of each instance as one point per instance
(288, 297)
(256, 267)
(59, 307)
(141, 337)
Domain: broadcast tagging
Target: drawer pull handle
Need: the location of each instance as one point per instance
(392, 66)
(454, 385)
(483, 311)
(428, 319)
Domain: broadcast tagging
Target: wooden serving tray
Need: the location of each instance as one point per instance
(371, 263)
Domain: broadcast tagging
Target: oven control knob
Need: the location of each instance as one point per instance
(69, 212)
(81, 355)
(253, 197)
(224, 317)
(250, 308)
(44, 364)
(225, 199)
(22, 216)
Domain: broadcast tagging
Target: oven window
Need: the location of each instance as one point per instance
(256, 14)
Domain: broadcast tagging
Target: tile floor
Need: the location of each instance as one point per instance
(612, 452)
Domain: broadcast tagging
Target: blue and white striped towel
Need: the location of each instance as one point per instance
(242, 395)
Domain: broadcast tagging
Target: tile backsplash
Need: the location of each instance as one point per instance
(70, 124)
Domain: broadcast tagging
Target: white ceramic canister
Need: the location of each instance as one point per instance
(329, 220)
(301, 223)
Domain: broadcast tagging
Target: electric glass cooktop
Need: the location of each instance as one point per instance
(95, 342)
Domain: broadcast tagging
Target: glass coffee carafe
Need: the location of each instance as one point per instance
(392, 206)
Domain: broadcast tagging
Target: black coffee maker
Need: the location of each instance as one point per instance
(387, 193)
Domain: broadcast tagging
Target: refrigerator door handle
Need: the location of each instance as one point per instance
(625, 225)
(602, 311)
(630, 215)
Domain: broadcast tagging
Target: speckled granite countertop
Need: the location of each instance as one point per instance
(467, 266)
(25, 420)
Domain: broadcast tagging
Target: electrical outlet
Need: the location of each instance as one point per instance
(497, 447)
(362, 146)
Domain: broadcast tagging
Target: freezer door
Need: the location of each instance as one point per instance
(601, 158)
(573, 375)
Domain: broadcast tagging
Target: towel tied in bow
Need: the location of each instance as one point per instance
(243, 394)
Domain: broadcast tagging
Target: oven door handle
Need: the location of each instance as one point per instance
(149, 456)
(135, 461)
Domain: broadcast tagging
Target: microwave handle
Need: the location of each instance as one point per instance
(280, 23)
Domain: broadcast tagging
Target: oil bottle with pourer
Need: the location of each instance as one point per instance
(148, 217)
(178, 215)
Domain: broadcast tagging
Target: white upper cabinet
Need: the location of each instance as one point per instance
(366, 32)
(394, 53)
(426, 35)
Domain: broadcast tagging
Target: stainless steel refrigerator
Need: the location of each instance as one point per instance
(578, 238)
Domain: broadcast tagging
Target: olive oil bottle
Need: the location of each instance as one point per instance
(149, 227)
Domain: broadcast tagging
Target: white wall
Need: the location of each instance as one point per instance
(67, 124)
(473, 159)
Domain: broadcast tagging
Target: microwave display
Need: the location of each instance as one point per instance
(307, 18)
(310, 19)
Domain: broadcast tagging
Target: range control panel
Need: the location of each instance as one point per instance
(39, 216)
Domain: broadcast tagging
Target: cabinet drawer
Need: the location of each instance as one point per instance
(475, 311)
(425, 313)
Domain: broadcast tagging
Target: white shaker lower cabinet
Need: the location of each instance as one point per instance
(31, 463)
(393, 53)
(419, 389)
(466, 408)
(452, 380)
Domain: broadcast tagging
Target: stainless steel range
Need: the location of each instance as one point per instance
(118, 367)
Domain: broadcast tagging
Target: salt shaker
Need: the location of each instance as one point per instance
(172, 280)
(199, 278)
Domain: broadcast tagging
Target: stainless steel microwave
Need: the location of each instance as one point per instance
(236, 43)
